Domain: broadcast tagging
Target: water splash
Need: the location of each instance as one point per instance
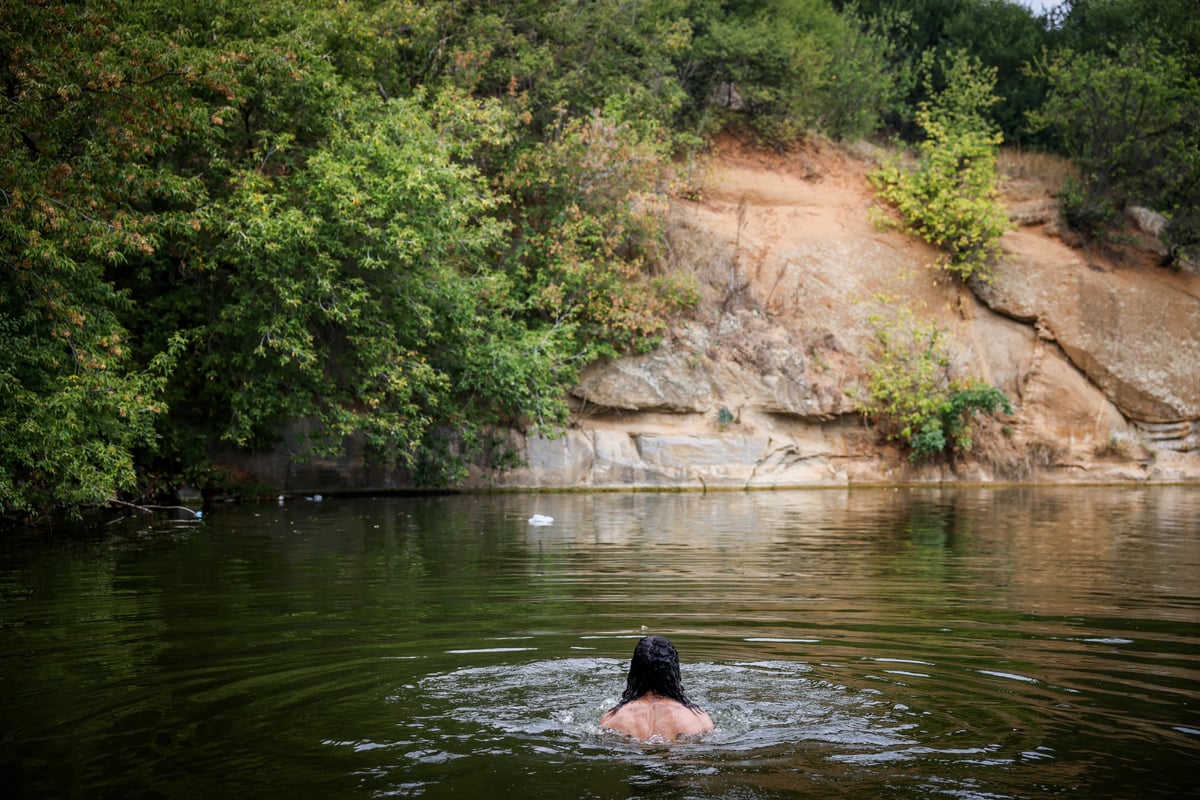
(755, 705)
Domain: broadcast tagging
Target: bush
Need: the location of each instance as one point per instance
(911, 395)
(951, 199)
(590, 206)
(1086, 209)
(866, 78)
(786, 67)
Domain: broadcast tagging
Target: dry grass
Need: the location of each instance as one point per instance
(1123, 448)
(1045, 172)
(708, 256)
(1010, 457)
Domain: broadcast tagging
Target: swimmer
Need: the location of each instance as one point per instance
(653, 704)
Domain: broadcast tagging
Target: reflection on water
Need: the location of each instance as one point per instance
(873, 643)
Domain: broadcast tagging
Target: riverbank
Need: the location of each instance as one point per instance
(761, 385)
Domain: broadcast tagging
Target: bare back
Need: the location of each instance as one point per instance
(653, 716)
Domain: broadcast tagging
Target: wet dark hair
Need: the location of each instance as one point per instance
(655, 668)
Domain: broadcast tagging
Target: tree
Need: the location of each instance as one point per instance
(1004, 36)
(1001, 34)
(867, 78)
(92, 108)
(1106, 26)
(785, 67)
(1129, 121)
(222, 217)
(348, 287)
(592, 217)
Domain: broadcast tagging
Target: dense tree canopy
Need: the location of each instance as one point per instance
(415, 220)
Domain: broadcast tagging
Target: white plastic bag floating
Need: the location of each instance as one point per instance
(541, 519)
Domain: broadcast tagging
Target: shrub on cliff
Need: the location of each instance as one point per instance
(951, 198)
(911, 395)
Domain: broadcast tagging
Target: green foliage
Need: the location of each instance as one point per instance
(1004, 36)
(1085, 209)
(593, 216)
(341, 281)
(867, 77)
(555, 58)
(336, 243)
(911, 395)
(70, 431)
(951, 198)
(691, 66)
(1129, 121)
(765, 59)
(91, 111)
(785, 67)
(1107, 26)
(358, 295)
(1001, 34)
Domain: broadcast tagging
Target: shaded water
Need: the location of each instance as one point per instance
(872, 643)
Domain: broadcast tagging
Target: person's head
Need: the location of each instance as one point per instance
(654, 668)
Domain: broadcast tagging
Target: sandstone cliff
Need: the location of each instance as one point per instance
(1098, 348)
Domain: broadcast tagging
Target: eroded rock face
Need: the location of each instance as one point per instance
(696, 457)
(665, 380)
(770, 375)
(1135, 332)
(1082, 349)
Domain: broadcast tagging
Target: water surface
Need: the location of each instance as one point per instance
(982, 643)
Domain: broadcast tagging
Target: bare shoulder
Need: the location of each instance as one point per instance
(629, 718)
(651, 717)
(693, 722)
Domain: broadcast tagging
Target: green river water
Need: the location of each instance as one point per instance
(868, 643)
